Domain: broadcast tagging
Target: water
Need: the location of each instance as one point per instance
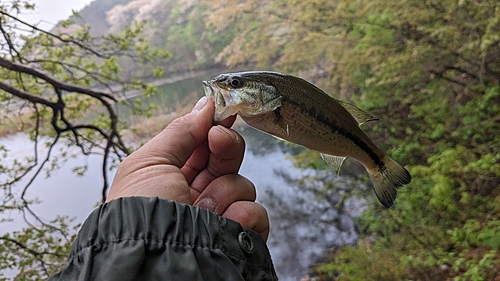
(304, 220)
(61, 194)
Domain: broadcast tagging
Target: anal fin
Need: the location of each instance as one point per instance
(335, 162)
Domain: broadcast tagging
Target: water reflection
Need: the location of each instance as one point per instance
(305, 219)
(62, 194)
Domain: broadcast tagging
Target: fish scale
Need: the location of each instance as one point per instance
(293, 109)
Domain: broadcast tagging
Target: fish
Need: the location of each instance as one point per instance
(295, 110)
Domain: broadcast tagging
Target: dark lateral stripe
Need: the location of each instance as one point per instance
(345, 133)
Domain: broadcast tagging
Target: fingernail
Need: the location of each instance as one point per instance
(232, 134)
(200, 104)
(207, 203)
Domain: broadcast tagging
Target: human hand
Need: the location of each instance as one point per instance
(191, 161)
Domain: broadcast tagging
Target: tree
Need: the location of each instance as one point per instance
(50, 81)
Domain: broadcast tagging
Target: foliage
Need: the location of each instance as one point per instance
(37, 252)
(430, 70)
(62, 88)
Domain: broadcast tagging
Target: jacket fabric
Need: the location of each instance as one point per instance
(138, 238)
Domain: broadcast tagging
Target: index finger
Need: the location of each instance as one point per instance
(227, 148)
(199, 159)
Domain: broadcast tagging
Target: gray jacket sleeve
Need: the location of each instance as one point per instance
(140, 238)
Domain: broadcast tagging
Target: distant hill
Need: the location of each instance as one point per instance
(173, 25)
(95, 15)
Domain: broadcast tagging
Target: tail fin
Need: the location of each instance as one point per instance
(387, 179)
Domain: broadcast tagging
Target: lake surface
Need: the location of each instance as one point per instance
(304, 222)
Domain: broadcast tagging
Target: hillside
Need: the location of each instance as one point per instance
(174, 25)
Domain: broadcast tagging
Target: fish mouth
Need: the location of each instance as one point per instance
(222, 99)
(209, 91)
(215, 92)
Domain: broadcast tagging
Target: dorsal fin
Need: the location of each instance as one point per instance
(359, 115)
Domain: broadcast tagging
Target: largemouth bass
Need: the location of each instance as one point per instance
(293, 109)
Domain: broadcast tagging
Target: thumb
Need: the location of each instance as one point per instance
(175, 144)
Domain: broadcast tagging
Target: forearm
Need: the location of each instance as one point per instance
(139, 238)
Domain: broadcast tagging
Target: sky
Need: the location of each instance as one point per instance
(48, 12)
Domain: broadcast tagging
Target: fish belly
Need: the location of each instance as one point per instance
(340, 137)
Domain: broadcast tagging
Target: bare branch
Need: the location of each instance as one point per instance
(96, 76)
(6, 35)
(450, 67)
(54, 82)
(104, 169)
(28, 96)
(47, 157)
(441, 75)
(38, 256)
(77, 43)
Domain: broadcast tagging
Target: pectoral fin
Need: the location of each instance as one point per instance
(282, 122)
(335, 162)
(358, 114)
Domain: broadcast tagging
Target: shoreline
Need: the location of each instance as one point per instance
(16, 115)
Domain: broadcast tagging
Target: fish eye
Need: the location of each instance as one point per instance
(235, 81)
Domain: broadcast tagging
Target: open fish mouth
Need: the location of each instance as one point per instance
(215, 93)
(222, 99)
(209, 91)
